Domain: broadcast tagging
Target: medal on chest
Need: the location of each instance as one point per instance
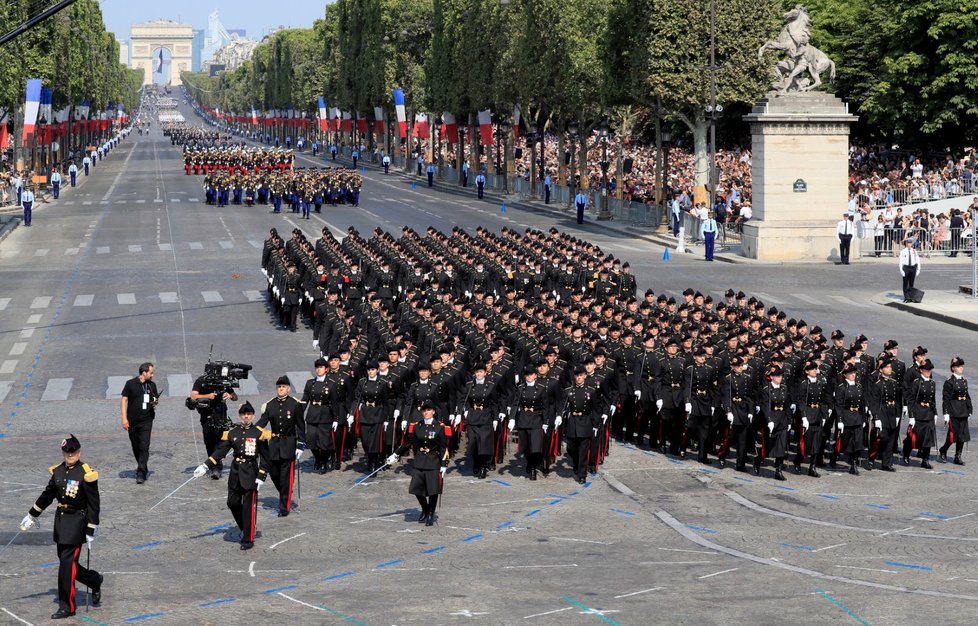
(249, 447)
(71, 488)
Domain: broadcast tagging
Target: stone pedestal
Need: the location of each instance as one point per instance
(800, 174)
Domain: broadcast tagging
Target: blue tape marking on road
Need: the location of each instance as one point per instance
(701, 529)
(796, 547)
(783, 488)
(553, 502)
(221, 601)
(909, 565)
(505, 524)
(589, 611)
(573, 493)
(146, 545)
(139, 617)
(947, 471)
(47, 565)
(502, 482)
(675, 461)
(325, 495)
(2, 435)
(277, 589)
(433, 550)
(934, 515)
(621, 511)
(338, 576)
(533, 512)
(827, 496)
(472, 538)
(586, 485)
(881, 507)
(842, 606)
(708, 471)
(219, 527)
(342, 616)
(389, 563)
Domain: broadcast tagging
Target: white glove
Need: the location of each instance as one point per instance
(335, 424)
(545, 427)
(457, 421)
(658, 404)
(750, 416)
(595, 431)
(258, 483)
(349, 420)
(495, 424)
(612, 409)
(879, 424)
(392, 459)
(604, 418)
(905, 411)
(282, 300)
(757, 409)
(397, 413)
(90, 539)
(842, 427)
(689, 407)
(869, 414)
(770, 426)
(830, 412)
(298, 453)
(947, 418)
(793, 408)
(315, 343)
(558, 421)
(512, 424)
(638, 394)
(466, 413)
(403, 424)
(912, 422)
(384, 426)
(29, 522)
(804, 423)
(443, 470)
(200, 471)
(502, 416)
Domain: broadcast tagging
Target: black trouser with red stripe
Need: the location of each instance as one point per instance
(71, 570)
(244, 507)
(578, 449)
(282, 476)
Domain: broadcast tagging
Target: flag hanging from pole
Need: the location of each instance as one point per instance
(450, 127)
(517, 115)
(485, 127)
(421, 127)
(379, 120)
(323, 114)
(346, 125)
(159, 62)
(401, 113)
(31, 108)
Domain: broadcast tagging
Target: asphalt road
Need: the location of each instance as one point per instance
(132, 266)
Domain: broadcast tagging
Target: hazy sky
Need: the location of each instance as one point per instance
(256, 16)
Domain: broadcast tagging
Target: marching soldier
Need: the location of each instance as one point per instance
(370, 408)
(700, 385)
(775, 411)
(75, 486)
(886, 401)
(479, 412)
(283, 414)
(851, 412)
(429, 439)
(956, 404)
(812, 401)
(533, 420)
(580, 410)
(249, 470)
(922, 408)
(668, 374)
(321, 422)
(738, 403)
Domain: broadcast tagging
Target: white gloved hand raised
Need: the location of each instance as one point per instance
(558, 421)
(258, 483)
(804, 423)
(512, 424)
(689, 407)
(200, 470)
(29, 522)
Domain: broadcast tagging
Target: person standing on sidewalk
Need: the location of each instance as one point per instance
(708, 232)
(844, 230)
(480, 184)
(56, 183)
(909, 267)
(547, 187)
(580, 200)
(73, 173)
(27, 201)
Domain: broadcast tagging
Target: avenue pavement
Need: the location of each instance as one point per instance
(133, 266)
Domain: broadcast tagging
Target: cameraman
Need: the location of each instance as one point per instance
(213, 417)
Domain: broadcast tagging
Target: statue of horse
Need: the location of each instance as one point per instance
(797, 30)
(815, 62)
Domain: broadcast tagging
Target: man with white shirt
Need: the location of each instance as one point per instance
(844, 230)
(909, 267)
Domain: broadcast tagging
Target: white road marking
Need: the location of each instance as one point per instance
(71, 251)
(253, 295)
(41, 252)
(849, 301)
(274, 545)
(539, 566)
(165, 247)
(174, 200)
(103, 250)
(3, 303)
(211, 296)
(18, 348)
(227, 245)
(135, 248)
(196, 245)
(257, 245)
(807, 298)
(178, 385)
(7, 367)
(311, 606)
(27, 333)
(838, 545)
(549, 612)
(251, 569)
(672, 562)
(126, 298)
(603, 543)
(33, 319)
(114, 385)
(22, 621)
(5, 389)
(41, 302)
(84, 300)
(193, 199)
(140, 202)
(635, 593)
(693, 551)
(168, 297)
(733, 569)
(57, 389)
(866, 569)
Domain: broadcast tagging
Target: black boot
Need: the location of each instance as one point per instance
(757, 465)
(778, 474)
(812, 472)
(958, 461)
(62, 613)
(942, 455)
(424, 515)
(97, 591)
(721, 463)
(870, 465)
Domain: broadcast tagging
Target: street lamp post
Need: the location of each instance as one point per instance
(572, 132)
(604, 213)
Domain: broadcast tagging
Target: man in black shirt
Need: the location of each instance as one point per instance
(139, 399)
(214, 419)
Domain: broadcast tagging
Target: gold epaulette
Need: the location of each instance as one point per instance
(266, 435)
(52, 468)
(90, 475)
(224, 435)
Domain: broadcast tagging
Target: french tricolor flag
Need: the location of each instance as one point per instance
(485, 127)
(323, 114)
(31, 109)
(379, 120)
(254, 115)
(401, 113)
(450, 127)
(159, 63)
(421, 126)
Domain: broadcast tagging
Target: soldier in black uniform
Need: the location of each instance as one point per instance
(851, 410)
(580, 411)
(321, 422)
(371, 410)
(922, 407)
(886, 402)
(812, 400)
(534, 406)
(669, 373)
(290, 290)
(699, 388)
(75, 486)
(956, 404)
(249, 470)
(738, 403)
(429, 439)
(283, 415)
(776, 411)
(479, 409)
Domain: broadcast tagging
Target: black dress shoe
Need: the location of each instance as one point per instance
(906, 460)
(706, 461)
(942, 457)
(740, 468)
(958, 461)
(888, 468)
(140, 479)
(854, 469)
(62, 613)
(283, 513)
(431, 519)
(797, 468)
(97, 591)
(813, 473)
(247, 545)
(533, 474)
(926, 465)
(778, 475)
(870, 465)
(833, 464)
(757, 466)
(423, 518)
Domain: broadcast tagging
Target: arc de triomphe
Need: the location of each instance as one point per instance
(175, 39)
